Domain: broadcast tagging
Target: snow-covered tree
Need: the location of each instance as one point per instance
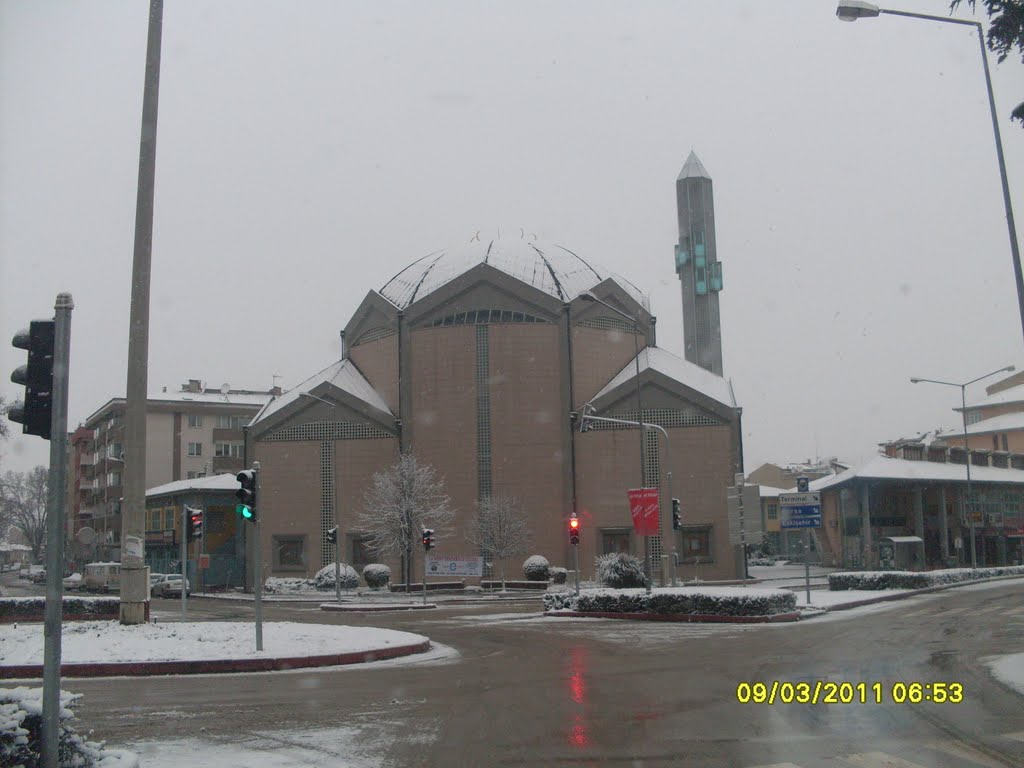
(404, 499)
(23, 505)
(500, 530)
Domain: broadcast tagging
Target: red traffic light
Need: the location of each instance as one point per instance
(574, 529)
(574, 523)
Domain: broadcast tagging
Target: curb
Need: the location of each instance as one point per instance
(903, 596)
(374, 608)
(214, 666)
(705, 618)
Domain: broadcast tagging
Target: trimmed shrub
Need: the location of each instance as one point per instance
(324, 578)
(536, 568)
(711, 601)
(72, 606)
(620, 570)
(376, 575)
(872, 580)
(21, 733)
(559, 575)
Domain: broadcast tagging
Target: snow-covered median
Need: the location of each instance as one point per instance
(111, 642)
(916, 579)
(1009, 670)
(821, 598)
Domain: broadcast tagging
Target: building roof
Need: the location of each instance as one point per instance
(225, 482)
(768, 492)
(693, 168)
(342, 374)
(551, 268)
(1003, 397)
(250, 399)
(678, 369)
(886, 468)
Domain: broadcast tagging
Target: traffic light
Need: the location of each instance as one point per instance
(677, 515)
(33, 413)
(428, 539)
(574, 529)
(332, 535)
(246, 507)
(195, 524)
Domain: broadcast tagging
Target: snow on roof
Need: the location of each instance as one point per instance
(1005, 421)
(1011, 395)
(225, 482)
(678, 369)
(693, 168)
(886, 468)
(770, 492)
(231, 398)
(342, 374)
(904, 539)
(551, 268)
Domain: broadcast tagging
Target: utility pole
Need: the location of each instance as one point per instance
(257, 586)
(134, 579)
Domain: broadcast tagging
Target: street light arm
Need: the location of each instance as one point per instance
(929, 17)
(917, 380)
(589, 296)
(1001, 370)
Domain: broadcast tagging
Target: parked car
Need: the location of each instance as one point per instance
(74, 583)
(38, 577)
(23, 573)
(103, 577)
(169, 585)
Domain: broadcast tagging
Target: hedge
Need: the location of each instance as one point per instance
(872, 580)
(33, 608)
(712, 601)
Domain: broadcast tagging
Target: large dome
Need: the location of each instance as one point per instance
(551, 268)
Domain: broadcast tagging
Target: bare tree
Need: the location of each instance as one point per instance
(403, 499)
(500, 530)
(23, 505)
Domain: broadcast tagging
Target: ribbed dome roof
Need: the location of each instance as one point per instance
(551, 268)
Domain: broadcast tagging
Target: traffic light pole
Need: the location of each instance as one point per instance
(576, 566)
(257, 576)
(55, 530)
(337, 566)
(185, 528)
(425, 576)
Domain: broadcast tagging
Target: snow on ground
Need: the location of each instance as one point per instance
(789, 572)
(822, 598)
(109, 641)
(1009, 670)
(361, 745)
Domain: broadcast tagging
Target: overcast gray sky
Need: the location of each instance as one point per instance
(308, 151)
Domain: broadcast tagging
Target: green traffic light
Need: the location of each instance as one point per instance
(245, 512)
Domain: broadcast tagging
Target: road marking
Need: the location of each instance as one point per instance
(777, 765)
(1015, 611)
(990, 609)
(921, 612)
(1018, 736)
(952, 611)
(879, 760)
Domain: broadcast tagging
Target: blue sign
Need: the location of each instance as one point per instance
(803, 516)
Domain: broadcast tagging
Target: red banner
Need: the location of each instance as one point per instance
(643, 506)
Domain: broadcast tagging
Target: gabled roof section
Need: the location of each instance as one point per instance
(886, 468)
(678, 369)
(225, 482)
(344, 375)
(551, 268)
(693, 168)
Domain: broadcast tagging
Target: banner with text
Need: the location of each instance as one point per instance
(643, 506)
(455, 566)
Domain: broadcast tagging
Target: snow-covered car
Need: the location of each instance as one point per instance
(74, 583)
(169, 585)
(38, 577)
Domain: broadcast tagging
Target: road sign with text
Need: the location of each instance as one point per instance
(800, 510)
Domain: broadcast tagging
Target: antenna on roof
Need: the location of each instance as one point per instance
(225, 388)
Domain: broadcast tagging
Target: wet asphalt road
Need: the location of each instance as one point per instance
(528, 690)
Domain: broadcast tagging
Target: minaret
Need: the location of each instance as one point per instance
(697, 265)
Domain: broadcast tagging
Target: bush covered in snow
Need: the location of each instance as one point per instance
(283, 585)
(324, 578)
(761, 561)
(872, 580)
(620, 570)
(536, 568)
(559, 575)
(73, 606)
(693, 601)
(376, 575)
(21, 733)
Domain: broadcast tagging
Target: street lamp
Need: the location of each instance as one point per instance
(851, 10)
(337, 522)
(967, 451)
(589, 296)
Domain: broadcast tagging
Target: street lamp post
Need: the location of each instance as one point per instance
(589, 296)
(851, 10)
(967, 451)
(337, 522)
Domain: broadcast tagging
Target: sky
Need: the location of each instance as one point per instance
(308, 151)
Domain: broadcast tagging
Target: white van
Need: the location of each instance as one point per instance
(102, 577)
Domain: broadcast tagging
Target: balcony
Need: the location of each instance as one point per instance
(225, 435)
(222, 464)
